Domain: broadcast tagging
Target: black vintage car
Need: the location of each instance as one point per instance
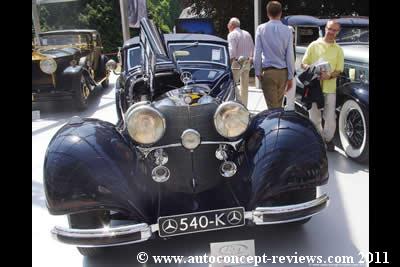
(352, 95)
(68, 64)
(185, 155)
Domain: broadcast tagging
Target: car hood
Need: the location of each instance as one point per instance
(54, 52)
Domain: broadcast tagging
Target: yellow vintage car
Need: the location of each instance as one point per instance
(68, 64)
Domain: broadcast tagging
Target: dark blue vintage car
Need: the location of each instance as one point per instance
(184, 157)
(352, 103)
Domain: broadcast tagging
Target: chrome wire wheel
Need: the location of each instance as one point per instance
(353, 131)
(85, 89)
(81, 94)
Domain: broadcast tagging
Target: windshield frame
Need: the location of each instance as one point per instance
(83, 36)
(200, 44)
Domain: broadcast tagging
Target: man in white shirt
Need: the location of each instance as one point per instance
(241, 48)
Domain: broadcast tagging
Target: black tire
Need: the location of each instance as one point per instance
(103, 71)
(90, 252)
(89, 220)
(105, 83)
(81, 94)
(301, 196)
(354, 131)
(291, 198)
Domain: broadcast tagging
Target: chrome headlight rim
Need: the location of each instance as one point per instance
(185, 137)
(44, 63)
(218, 111)
(141, 107)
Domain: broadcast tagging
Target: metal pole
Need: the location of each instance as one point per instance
(257, 20)
(124, 18)
(36, 21)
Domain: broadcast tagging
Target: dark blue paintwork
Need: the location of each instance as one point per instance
(358, 91)
(303, 20)
(93, 166)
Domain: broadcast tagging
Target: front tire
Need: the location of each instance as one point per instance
(301, 196)
(103, 71)
(291, 198)
(89, 220)
(105, 83)
(81, 94)
(354, 131)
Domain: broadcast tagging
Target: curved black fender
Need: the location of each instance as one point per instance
(89, 165)
(72, 77)
(357, 91)
(102, 71)
(284, 152)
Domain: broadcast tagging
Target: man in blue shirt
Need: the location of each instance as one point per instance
(274, 57)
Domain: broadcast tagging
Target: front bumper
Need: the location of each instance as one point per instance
(127, 234)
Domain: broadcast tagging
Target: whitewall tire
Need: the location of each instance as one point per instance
(354, 131)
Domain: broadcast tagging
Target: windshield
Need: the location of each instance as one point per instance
(352, 34)
(209, 53)
(64, 39)
(134, 57)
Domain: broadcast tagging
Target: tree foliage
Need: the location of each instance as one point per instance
(105, 17)
(222, 11)
(164, 13)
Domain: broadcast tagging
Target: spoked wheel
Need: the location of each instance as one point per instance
(82, 94)
(353, 131)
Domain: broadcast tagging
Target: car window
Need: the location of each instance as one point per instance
(352, 34)
(210, 53)
(356, 72)
(64, 39)
(134, 57)
(306, 35)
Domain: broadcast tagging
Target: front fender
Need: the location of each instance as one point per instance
(284, 152)
(357, 91)
(89, 165)
(73, 71)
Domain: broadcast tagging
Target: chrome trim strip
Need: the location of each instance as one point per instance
(259, 212)
(101, 232)
(147, 150)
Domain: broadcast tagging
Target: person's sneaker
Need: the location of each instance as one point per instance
(330, 146)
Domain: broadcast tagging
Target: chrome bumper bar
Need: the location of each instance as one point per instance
(290, 213)
(127, 234)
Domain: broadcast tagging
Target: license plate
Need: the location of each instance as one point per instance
(200, 221)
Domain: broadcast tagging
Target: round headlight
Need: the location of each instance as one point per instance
(145, 124)
(190, 139)
(231, 119)
(48, 65)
